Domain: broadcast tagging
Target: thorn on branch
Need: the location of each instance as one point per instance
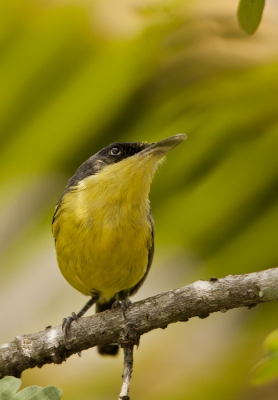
(251, 306)
(184, 319)
(203, 316)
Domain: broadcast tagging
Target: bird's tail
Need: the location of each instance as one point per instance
(106, 349)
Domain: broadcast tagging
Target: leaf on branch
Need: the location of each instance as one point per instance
(10, 385)
(249, 15)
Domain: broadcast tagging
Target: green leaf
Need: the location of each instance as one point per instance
(50, 393)
(8, 387)
(249, 15)
(265, 370)
(27, 393)
(38, 393)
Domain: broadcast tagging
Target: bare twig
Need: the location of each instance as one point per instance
(127, 372)
(131, 338)
(198, 299)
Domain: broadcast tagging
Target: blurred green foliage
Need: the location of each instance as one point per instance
(267, 368)
(76, 76)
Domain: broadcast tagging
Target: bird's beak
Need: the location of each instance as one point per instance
(164, 146)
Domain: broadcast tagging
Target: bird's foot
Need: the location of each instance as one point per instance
(124, 304)
(66, 323)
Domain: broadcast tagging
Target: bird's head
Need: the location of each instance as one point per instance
(125, 163)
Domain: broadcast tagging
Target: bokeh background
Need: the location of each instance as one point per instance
(77, 75)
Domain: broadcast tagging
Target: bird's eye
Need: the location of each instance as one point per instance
(116, 150)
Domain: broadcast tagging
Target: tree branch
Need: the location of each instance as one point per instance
(198, 299)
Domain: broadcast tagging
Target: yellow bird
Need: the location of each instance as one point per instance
(103, 226)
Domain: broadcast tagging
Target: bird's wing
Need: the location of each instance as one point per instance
(55, 212)
(55, 227)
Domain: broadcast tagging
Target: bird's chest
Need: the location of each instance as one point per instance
(118, 237)
(106, 247)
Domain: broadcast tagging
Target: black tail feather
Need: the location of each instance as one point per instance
(106, 349)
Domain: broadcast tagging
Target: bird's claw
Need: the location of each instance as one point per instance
(124, 304)
(66, 323)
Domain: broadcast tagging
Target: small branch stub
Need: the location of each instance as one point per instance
(130, 338)
(127, 372)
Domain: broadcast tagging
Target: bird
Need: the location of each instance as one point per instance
(103, 225)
